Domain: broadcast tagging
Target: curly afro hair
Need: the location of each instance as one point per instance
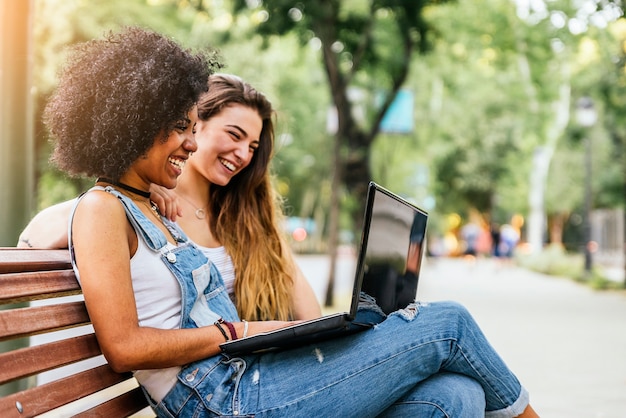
(119, 93)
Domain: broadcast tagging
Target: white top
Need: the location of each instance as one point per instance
(157, 294)
(224, 264)
(158, 299)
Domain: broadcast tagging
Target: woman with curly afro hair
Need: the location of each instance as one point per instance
(117, 95)
(160, 308)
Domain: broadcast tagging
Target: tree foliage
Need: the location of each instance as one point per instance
(365, 47)
(493, 83)
(499, 90)
(58, 24)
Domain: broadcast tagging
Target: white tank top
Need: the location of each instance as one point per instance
(158, 299)
(154, 286)
(224, 265)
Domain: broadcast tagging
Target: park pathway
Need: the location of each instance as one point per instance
(566, 342)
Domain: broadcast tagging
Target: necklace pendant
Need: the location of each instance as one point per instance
(200, 213)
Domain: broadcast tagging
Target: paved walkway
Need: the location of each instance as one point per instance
(566, 342)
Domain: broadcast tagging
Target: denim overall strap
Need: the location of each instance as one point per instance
(200, 282)
(151, 235)
(204, 298)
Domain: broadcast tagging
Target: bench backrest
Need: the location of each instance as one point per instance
(28, 275)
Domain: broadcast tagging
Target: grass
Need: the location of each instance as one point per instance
(555, 261)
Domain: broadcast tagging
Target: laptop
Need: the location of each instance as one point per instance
(387, 271)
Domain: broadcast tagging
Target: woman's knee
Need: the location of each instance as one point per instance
(441, 395)
(442, 315)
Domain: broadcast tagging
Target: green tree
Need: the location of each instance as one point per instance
(501, 79)
(613, 93)
(58, 24)
(365, 47)
(474, 111)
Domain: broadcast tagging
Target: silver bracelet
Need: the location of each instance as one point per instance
(245, 328)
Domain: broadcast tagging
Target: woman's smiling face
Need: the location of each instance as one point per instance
(226, 143)
(164, 162)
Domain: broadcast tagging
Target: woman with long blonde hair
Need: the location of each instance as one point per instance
(229, 179)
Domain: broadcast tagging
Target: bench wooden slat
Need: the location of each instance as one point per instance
(24, 322)
(122, 406)
(18, 260)
(63, 391)
(23, 287)
(28, 275)
(29, 361)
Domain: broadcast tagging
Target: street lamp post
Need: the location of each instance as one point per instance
(586, 117)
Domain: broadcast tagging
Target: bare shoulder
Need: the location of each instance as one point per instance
(99, 207)
(100, 219)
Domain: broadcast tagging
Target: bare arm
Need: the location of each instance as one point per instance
(48, 229)
(104, 242)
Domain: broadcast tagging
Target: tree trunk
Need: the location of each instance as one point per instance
(556, 224)
(623, 154)
(333, 223)
(536, 217)
(357, 175)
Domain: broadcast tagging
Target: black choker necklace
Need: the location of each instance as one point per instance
(124, 186)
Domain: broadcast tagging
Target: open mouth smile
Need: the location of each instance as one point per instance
(178, 163)
(228, 164)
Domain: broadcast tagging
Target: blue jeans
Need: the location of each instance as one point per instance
(375, 372)
(443, 395)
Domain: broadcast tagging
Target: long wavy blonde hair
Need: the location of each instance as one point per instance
(246, 214)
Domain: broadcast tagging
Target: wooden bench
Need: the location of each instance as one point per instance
(46, 277)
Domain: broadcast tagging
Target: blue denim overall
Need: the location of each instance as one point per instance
(408, 365)
(204, 300)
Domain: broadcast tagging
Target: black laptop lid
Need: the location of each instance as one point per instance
(392, 246)
(388, 265)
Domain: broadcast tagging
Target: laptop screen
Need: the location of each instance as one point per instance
(392, 249)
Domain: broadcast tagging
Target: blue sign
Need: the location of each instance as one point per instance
(399, 116)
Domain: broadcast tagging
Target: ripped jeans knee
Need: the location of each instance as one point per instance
(410, 311)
